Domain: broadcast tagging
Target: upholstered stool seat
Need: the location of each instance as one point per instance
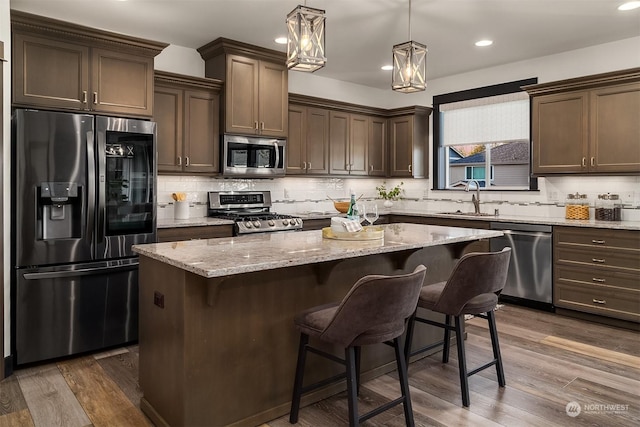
(374, 311)
(472, 288)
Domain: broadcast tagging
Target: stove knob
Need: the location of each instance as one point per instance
(256, 224)
(285, 222)
(248, 224)
(292, 221)
(271, 223)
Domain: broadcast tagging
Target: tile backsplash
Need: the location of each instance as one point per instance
(302, 195)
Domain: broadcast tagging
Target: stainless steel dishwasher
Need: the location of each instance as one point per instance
(530, 280)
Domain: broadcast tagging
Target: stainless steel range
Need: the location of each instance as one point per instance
(251, 211)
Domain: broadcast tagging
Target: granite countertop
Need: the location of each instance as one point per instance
(192, 222)
(243, 254)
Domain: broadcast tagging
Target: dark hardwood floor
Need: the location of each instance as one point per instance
(550, 361)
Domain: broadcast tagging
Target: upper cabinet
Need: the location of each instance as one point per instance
(187, 113)
(377, 146)
(587, 125)
(308, 141)
(409, 142)
(256, 86)
(64, 66)
(349, 139)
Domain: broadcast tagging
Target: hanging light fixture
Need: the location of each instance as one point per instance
(305, 47)
(409, 65)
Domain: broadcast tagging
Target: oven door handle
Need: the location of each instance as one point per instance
(80, 272)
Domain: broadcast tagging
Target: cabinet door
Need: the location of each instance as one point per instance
(50, 73)
(121, 83)
(296, 155)
(241, 95)
(273, 99)
(401, 146)
(201, 132)
(167, 113)
(560, 133)
(377, 153)
(317, 136)
(339, 143)
(358, 144)
(615, 129)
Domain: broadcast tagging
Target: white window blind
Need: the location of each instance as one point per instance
(501, 118)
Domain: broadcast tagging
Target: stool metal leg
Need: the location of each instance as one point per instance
(297, 385)
(407, 345)
(462, 364)
(404, 383)
(496, 348)
(357, 354)
(447, 339)
(349, 357)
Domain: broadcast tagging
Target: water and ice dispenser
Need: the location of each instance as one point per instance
(59, 210)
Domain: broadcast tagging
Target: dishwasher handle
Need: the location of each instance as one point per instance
(519, 227)
(522, 233)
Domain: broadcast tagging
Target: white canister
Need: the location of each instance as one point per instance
(181, 210)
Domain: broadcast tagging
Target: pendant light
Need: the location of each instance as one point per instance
(409, 65)
(305, 46)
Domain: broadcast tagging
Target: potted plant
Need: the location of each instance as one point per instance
(389, 195)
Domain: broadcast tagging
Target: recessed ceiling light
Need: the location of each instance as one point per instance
(482, 43)
(630, 5)
(387, 67)
(281, 40)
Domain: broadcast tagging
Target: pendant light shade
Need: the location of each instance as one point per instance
(305, 47)
(409, 65)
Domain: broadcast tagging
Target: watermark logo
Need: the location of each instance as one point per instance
(573, 409)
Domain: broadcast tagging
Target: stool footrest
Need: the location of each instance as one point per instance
(380, 409)
(482, 368)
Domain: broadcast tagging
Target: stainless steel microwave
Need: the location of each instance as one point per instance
(253, 157)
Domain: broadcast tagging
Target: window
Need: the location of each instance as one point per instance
(483, 129)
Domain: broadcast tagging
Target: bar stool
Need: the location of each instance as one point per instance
(472, 288)
(374, 311)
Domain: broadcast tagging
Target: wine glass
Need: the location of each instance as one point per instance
(360, 212)
(371, 214)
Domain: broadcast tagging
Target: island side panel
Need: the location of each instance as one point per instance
(237, 345)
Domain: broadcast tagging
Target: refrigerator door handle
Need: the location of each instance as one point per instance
(91, 190)
(80, 272)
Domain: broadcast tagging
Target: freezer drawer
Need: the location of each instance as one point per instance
(72, 309)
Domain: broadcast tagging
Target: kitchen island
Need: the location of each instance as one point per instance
(217, 341)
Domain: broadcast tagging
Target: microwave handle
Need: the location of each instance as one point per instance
(277, 154)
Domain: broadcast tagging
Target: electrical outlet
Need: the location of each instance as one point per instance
(552, 196)
(158, 299)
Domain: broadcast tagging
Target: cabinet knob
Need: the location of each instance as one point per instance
(409, 168)
(255, 125)
(179, 160)
(598, 280)
(84, 96)
(95, 97)
(187, 161)
(371, 168)
(261, 125)
(599, 301)
(584, 162)
(309, 166)
(598, 260)
(304, 165)
(597, 242)
(593, 161)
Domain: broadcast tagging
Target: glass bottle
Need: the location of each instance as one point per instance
(577, 206)
(352, 213)
(608, 207)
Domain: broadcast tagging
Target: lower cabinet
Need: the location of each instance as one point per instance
(597, 271)
(187, 113)
(191, 233)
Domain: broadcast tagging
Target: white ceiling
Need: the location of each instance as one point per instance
(360, 33)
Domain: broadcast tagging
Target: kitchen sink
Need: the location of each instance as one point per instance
(460, 213)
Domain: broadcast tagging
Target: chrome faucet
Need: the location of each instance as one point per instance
(475, 198)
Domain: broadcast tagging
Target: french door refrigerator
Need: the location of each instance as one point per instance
(84, 191)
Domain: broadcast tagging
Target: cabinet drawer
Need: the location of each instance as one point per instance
(597, 276)
(611, 258)
(598, 299)
(597, 238)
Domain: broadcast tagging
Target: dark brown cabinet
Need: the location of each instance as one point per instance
(587, 125)
(194, 233)
(596, 271)
(409, 143)
(349, 140)
(187, 112)
(64, 66)
(377, 147)
(256, 87)
(308, 141)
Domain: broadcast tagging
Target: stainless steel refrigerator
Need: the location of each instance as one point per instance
(84, 191)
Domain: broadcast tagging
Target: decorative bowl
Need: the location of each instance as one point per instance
(341, 207)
